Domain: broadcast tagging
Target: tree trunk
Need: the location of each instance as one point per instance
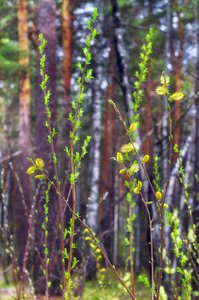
(177, 66)
(96, 125)
(24, 96)
(47, 26)
(120, 55)
(67, 40)
(23, 197)
(106, 208)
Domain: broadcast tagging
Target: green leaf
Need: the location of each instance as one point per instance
(119, 157)
(176, 96)
(95, 14)
(164, 79)
(89, 75)
(39, 163)
(133, 127)
(126, 148)
(161, 90)
(94, 33)
(40, 176)
(133, 169)
(122, 171)
(31, 170)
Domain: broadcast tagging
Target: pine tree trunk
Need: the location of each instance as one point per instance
(24, 96)
(107, 194)
(23, 197)
(67, 41)
(177, 65)
(47, 26)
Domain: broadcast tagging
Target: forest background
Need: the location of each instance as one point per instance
(101, 192)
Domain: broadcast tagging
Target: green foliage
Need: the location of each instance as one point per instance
(75, 117)
(143, 278)
(75, 157)
(184, 269)
(132, 165)
(96, 252)
(141, 74)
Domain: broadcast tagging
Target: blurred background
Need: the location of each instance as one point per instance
(101, 193)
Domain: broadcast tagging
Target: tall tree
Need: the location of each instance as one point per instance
(46, 26)
(96, 133)
(24, 127)
(107, 186)
(176, 60)
(24, 96)
(120, 55)
(67, 40)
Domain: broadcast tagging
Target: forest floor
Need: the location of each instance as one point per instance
(91, 292)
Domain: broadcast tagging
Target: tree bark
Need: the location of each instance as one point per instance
(107, 194)
(120, 55)
(67, 40)
(177, 66)
(23, 196)
(24, 95)
(96, 133)
(47, 26)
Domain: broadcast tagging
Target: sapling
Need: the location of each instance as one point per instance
(38, 168)
(131, 150)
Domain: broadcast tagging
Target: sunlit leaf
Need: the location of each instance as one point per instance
(161, 90)
(31, 170)
(40, 176)
(39, 163)
(176, 96)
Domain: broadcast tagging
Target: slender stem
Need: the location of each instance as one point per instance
(131, 251)
(59, 216)
(72, 223)
(162, 246)
(46, 269)
(112, 267)
(136, 153)
(151, 247)
(152, 260)
(162, 223)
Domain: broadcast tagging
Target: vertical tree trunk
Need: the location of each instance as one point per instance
(67, 40)
(96, 133)
(24, 95)
(3, 121)
(165, 149)
(127, 95)
(24, 142)
(120, 55)
(106, 208)
(46, 26)
(177, 65)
